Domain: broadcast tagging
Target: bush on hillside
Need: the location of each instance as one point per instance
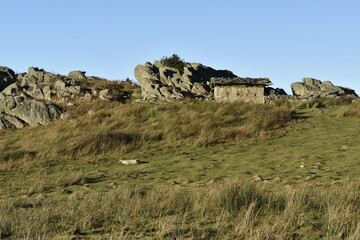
(174, 61)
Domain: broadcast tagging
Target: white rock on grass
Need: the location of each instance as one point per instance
(130, 162)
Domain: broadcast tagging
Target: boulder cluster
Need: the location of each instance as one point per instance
(164, 83)
(32, 98)
(313, 88)
(19, 111)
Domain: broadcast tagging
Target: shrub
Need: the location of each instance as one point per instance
(174, 61)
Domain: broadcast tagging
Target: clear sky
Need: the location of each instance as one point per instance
(284, 40)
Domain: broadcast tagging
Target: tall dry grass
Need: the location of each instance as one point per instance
(320, 102)
(352, 110)
(122, 128)
(129, 127)
(234, 210)
(328, 102)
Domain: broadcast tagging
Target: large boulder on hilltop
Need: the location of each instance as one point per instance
(151, 86)
(311, 87)
(7, 77)
(66, 89)
(17, 111)
(38, 77)
(40, 84)
(77, 75)
(20, 95)
(161, 82)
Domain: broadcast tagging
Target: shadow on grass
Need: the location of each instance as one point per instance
(94, 179)
(300, 115)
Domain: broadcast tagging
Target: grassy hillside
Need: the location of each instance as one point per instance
(210, 171)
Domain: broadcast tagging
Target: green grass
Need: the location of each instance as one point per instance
(197, 182)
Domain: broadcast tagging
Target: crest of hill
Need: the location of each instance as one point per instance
(159, 81)
(172, 79)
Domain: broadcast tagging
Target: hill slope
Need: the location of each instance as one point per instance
(199, 179)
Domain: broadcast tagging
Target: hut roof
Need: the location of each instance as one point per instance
(240, 81)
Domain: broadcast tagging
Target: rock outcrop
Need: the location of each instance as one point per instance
(24, 97)
(18, 111)
(43, 85)
(7, 77)
(273, 94)
(160, 82)
(312, 88)
(77, 75)
(163, 83)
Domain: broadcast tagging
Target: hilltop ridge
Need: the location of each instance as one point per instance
(39, 97)
(172, 79)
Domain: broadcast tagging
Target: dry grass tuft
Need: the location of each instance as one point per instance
(327, 102)
(351, 111)
(104, 142)
(121, 128)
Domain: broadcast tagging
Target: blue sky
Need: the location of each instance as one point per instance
(284, 40)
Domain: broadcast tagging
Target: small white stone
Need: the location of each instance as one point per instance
(130, 162)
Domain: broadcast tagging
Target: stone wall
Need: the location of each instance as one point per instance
(253, 94)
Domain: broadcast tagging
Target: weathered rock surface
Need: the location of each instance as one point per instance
(273, 94)
(8, 121)
(269, 91)
(17, 111)
(105, 95)
(40, 84)
(311, 87)
(11, 89)
(23, 96)
(130, 162)
(159, 82)
(7, 77)
(77, 75)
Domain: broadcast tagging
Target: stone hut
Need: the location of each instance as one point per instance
(239, 89)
